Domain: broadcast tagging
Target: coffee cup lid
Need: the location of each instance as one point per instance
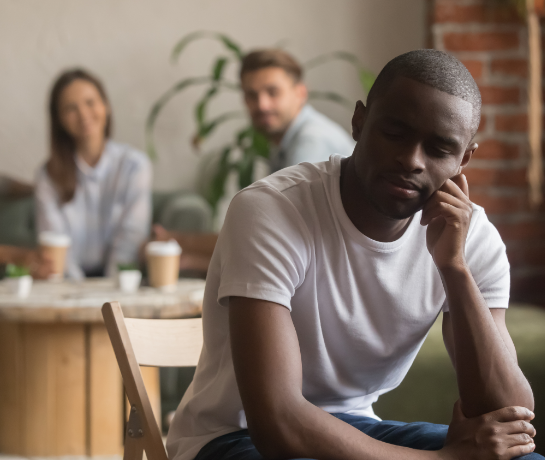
(54, 239)
(163, 248)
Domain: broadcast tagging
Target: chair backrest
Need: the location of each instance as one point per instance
(148, 342)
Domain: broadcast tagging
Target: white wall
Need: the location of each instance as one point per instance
(127, 43)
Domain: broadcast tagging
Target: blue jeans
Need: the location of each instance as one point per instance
(417, 435)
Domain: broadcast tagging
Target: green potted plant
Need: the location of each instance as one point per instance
(238, 156)
(19, 280)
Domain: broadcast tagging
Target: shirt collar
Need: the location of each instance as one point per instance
(305, 113)
(100, 169)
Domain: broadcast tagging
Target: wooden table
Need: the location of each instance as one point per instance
(60, 387)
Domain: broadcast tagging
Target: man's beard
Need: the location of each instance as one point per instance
(395, 211)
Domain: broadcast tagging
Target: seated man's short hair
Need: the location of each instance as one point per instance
(261, 59)
(436, 69)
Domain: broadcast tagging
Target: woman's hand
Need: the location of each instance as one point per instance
(500, 435)
(447, 214)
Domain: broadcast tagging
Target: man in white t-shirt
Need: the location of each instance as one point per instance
(327, 277)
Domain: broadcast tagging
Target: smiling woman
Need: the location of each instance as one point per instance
(93, 189)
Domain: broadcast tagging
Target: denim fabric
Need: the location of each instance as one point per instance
(417, 435)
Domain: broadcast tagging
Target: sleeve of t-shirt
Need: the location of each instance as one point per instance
(487, 260)
(264, 247)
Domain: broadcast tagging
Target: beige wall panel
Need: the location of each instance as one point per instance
(127, 43)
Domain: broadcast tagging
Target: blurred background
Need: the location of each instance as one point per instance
(128, 45)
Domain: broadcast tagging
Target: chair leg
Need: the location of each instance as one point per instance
(134, 437)
(134, 449)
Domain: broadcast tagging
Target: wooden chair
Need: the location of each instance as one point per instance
(148, 342)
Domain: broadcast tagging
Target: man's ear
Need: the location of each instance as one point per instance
(358, 119)
(302, 92)
(468, 154)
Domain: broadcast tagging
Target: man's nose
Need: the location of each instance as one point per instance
(263, 102)
(412, 159)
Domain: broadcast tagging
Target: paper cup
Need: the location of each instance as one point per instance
(129, 280)
(163, 261)
(20, 285)
(54, 246)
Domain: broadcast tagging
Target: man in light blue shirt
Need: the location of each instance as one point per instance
(276, 97)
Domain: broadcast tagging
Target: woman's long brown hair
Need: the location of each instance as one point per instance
(61, 165)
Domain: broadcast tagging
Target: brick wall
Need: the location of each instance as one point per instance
(491, 40)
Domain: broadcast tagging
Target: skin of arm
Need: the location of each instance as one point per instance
(476, 338)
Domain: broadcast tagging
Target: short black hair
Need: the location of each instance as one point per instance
(435, 68)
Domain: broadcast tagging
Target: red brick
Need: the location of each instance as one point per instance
(498, 204)
(515, 67)
(499, 177)
(528, 288)
(526, 254)
(512, 123)
(482, 125)
(475, 67)
(452, 12)
(500, 95)
(492, 149)
(484, 41)
(522, 230)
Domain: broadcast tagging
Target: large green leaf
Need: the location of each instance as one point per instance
(217, 185)
(160, 103)
(261, 145)
(366, 77)
(208, 128)
(227, 42)
(245, 167)
(200, 110)
(218, 68)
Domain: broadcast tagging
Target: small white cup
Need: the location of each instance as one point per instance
(129, 280)
(20, 285)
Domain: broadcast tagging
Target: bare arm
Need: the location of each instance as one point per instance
(481, 351)
(477, 340)
(282, 423)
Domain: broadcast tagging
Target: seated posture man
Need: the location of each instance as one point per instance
(275, 97)
(327, 277)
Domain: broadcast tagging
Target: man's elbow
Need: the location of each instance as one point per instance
(276, 438)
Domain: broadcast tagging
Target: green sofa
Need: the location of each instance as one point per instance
(180, 210)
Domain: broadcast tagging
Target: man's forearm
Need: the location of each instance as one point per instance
(489, 377)
(309, 432)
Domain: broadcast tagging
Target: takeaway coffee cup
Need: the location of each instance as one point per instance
(54, 247)
(163, 259)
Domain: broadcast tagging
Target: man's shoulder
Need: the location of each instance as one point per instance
(298, 176)
(289, 190)
(317, 125)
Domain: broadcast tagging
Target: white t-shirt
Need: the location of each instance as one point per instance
(361, 308)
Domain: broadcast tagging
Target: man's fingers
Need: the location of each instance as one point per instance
(520, 426)
(441, 209)
(519, 451)
(520, 439)
(510, 414)
(461, 181)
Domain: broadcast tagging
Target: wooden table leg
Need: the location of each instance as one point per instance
(47, 383)
(105, 395)
(61, 391)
